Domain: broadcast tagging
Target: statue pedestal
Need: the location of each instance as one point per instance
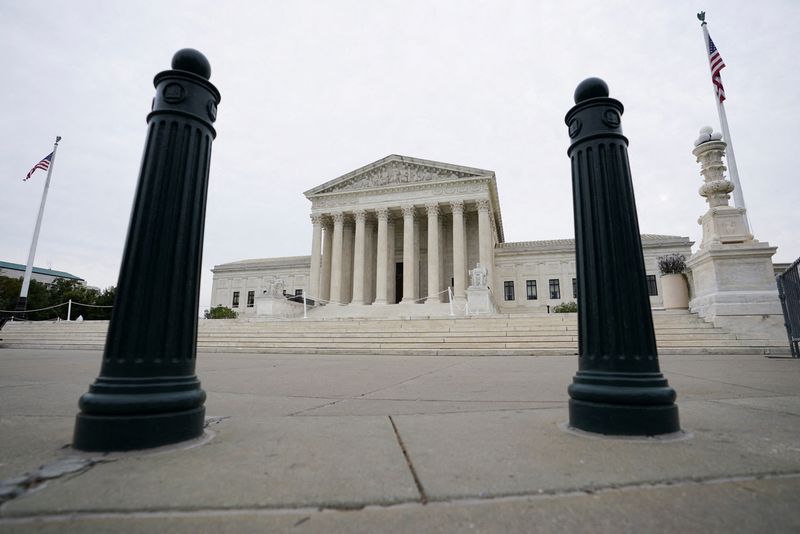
(734, 287)
(269, 306)
(479, 301)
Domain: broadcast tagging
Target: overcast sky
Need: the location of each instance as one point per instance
(314, 89)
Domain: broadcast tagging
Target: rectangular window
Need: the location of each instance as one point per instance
(555, 289)
(574, 288)
(298, 292)
(251, 298)
(652, 287)
(508, 290)
(530, 288)
(235, 303)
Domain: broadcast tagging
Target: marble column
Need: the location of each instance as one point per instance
(382, 262)
(433, 254)
(409, 255)
(369, 262)
(391, 264)
(359, 247)
(336, 259)
(316, 255)
(327, 251)
(348, 235)
(459, 251)
(485, 244)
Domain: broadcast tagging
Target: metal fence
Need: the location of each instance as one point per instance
(789, 293)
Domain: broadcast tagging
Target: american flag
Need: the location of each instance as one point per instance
(44, 165)
(715, 60)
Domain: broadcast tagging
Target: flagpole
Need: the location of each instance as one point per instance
(733, 171)
(26, 281)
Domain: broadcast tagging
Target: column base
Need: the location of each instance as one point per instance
(622, 403)
(130, 432)
(379, 303)
(623, 420)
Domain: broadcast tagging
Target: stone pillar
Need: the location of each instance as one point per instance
(619, 388)
(348, 233)
(316, 255)
(732, 274)
(382, 262)
(485, 242)
(433, 254)
(359, 257)
(336, 259)
(409, 255)
(369, 261)
(147, 393)
(721, 223)
(327, 251)
(391, 244)
(459, 251)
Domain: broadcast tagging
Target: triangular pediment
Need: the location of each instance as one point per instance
(395, 170)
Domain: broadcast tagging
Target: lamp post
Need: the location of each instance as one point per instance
(619, 388)
(147, 393)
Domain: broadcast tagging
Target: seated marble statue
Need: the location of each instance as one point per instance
(478, 276)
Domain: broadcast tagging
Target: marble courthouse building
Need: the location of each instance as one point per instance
(391, 238)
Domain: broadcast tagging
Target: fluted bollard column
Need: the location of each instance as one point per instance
(618, 388)
(147, 393)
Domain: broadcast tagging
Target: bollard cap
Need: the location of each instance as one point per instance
(191, 60)
(590, 88)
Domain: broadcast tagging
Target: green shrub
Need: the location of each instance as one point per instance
(220, 312)
(566, 307)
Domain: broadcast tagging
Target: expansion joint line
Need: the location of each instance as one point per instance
(423, 498)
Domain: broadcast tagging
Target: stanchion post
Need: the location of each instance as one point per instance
(147, 393)
(69, 310)
(305, 310)
(619, 388)
(450, 300)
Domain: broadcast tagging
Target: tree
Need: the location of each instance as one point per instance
(220, 312)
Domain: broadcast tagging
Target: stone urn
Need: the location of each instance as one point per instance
(674, 291)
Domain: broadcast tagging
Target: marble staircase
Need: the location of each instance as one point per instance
(509, 334)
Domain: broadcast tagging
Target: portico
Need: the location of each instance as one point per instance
(401, 230)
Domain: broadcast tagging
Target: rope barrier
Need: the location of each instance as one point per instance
(31, 311)
(90, 305)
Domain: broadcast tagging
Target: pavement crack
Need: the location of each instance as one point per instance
(312, 408)
(11, 488)
(214, 420)
(423, 498)
(409, 379)
(773, 393)
(726, 402)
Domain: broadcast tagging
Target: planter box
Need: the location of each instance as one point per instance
(675, 291)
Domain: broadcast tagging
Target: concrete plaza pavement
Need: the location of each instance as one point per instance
(406, 444)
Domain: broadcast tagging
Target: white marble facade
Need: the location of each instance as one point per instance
(403, 230)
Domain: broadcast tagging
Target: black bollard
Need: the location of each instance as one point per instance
(147, 393)
(619, 388)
